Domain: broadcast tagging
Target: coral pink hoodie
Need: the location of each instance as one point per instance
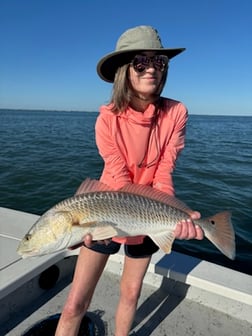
(135, 152)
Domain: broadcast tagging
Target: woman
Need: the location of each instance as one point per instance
(139, 135)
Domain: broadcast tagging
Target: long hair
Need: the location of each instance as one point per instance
(123, 92)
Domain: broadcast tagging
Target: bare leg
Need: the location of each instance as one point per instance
(89, 268)
(131, 284)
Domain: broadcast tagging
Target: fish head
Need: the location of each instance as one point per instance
(51, 233)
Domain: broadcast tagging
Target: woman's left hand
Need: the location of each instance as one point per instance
(186, 229)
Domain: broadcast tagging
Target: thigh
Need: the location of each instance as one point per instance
(89, 267)
(134, 271)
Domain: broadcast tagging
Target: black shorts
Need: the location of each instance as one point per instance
(146, 249)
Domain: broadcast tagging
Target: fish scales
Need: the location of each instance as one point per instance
(105, 213)
(134, 213)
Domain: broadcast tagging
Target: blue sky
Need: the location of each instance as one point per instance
(49, 50)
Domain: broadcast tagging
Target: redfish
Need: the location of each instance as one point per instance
(131, 211)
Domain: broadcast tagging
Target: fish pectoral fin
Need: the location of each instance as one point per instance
(121, 233)
(164, 240)
(103, 230)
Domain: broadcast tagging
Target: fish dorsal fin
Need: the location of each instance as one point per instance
(157, 195)
(89, 185)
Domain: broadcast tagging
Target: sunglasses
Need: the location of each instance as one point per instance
(141, 62)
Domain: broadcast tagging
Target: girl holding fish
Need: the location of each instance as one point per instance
(139, 135)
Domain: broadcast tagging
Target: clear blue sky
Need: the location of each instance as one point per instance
(49, 50)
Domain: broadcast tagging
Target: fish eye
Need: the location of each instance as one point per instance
(28, 237)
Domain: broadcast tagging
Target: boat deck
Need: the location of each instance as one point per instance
(181, 295)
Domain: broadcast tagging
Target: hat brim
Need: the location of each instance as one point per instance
(107, 66)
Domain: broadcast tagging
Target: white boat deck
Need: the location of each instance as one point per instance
(181, 295)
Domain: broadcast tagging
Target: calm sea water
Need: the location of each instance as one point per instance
(45, 155)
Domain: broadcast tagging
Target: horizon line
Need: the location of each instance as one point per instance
(93, 111)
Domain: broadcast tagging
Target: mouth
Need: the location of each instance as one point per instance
(151, 80)
(150, 77)
(27, 253)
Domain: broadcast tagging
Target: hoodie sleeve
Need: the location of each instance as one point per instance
(115, 172)
(163, 176)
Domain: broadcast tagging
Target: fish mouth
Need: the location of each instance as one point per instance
(24, 253)
(27, 253)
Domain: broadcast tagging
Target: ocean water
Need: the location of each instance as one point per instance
(45, 155)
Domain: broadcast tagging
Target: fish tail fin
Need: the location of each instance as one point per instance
(221, 233)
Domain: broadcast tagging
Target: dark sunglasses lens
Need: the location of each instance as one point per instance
(160, 62)
(140, 63)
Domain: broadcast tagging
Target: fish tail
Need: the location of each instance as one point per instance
(221, 233)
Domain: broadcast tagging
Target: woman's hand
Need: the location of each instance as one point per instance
(88, 242)
(186, 229)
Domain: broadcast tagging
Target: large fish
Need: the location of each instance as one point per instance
(105, 213)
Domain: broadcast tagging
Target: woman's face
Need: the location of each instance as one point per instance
(146, 82)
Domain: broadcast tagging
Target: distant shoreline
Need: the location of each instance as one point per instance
(42, 110)
(79, 111)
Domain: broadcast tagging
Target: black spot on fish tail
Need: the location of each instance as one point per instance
(221, 233)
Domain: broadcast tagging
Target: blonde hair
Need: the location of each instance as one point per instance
(122, 92)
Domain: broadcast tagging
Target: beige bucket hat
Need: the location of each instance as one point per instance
(131, 42)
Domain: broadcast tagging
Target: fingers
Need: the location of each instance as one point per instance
(195, 215)
(88, 240)
(199, 233)
(187, 230)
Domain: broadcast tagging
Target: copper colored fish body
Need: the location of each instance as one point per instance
(104, 213)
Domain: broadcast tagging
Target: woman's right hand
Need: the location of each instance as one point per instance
(88, 242)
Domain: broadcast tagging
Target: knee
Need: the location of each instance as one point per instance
(74, 309)
(130, 292)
